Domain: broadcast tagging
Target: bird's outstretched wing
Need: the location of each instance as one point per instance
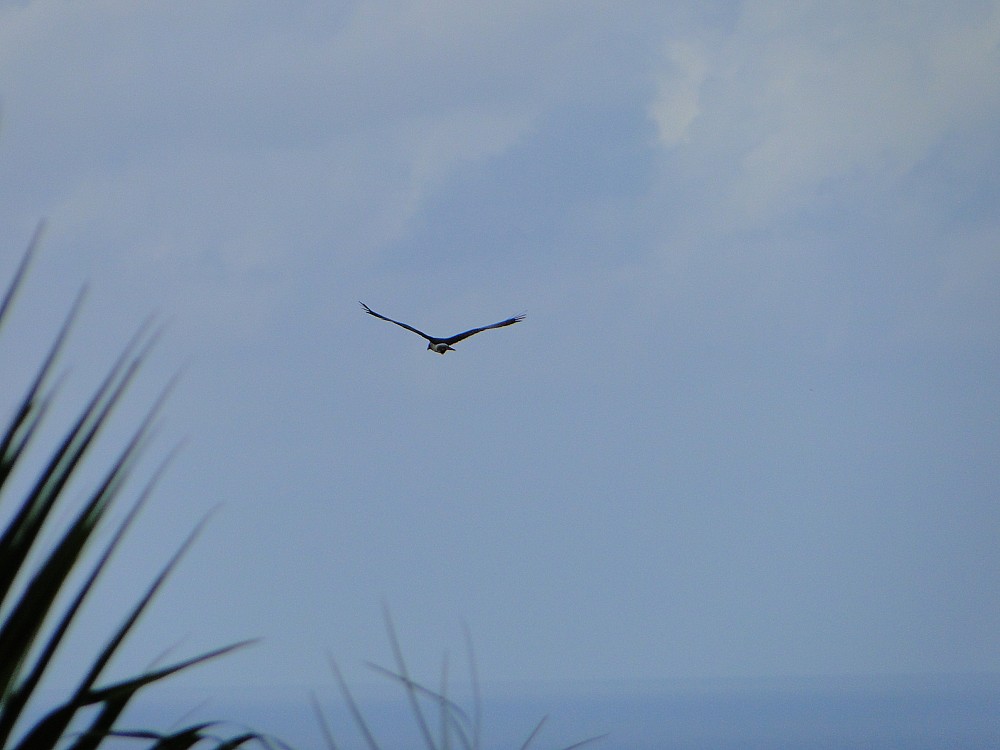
(402, 325)
(459, 336)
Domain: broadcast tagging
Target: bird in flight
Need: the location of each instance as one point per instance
(444, 345)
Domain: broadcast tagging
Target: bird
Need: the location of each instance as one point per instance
(444, 345)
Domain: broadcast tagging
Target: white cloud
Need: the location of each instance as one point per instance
(676, 106)
(216, 150)
(243, 166)
(110, 98)
(801, 94)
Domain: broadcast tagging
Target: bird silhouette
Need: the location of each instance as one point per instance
(443, 345)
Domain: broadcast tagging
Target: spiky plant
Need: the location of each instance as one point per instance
(455, 726)
(40, 560)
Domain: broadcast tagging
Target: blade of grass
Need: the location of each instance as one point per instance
(534, 732)
(145, 734)
(27, 618)
(181, 738)
(202, 735)
(50, 728)
(22, 531)
(24, 623)
(21, 428)
(22, 269)
(242, 739)
(137, 611)
(11, 710)
(411, 693)
(456, 711)
(352, 705)
(53, 726)
(443, 704)
(102, 724)
(477, 703)
(587, 741)
(324, 725)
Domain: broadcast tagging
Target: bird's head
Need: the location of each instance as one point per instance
(440, 348)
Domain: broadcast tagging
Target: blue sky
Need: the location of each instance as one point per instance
(748, 428)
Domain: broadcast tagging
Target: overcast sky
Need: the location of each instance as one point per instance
(750, 425)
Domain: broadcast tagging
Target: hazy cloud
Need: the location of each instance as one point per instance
(802, 95)
(754, 397)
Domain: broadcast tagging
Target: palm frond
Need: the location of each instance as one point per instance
(38, 563)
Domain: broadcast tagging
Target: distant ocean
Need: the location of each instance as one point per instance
(927, 713)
